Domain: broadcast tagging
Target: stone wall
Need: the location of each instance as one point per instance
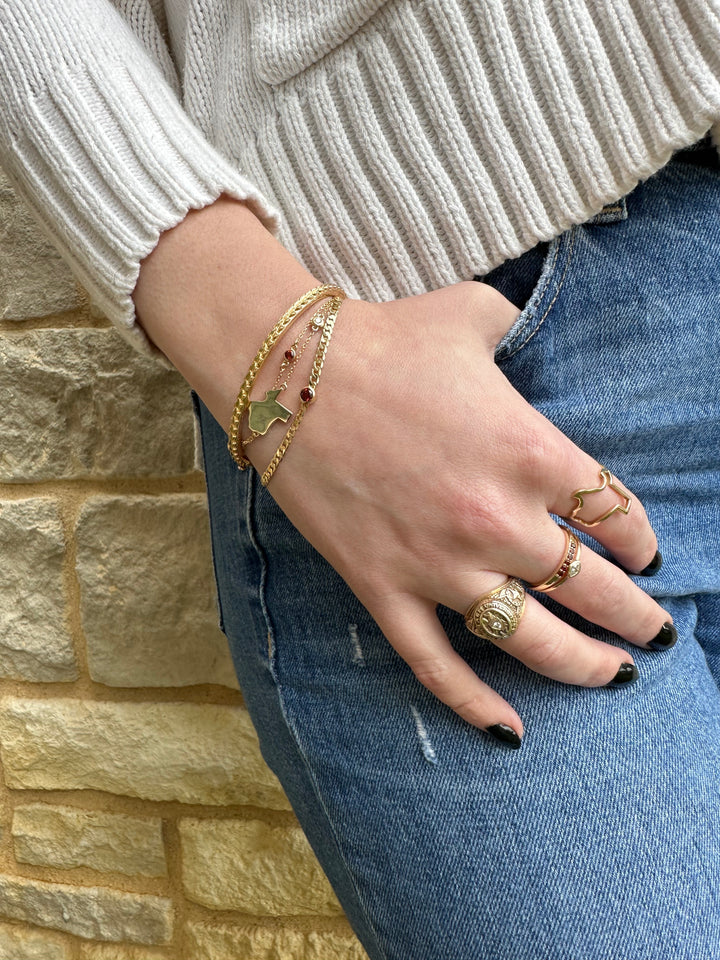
(137, 818)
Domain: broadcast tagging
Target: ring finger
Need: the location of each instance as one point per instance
(598, 591)
(548, 645)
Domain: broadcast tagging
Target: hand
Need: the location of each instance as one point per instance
(409, 442)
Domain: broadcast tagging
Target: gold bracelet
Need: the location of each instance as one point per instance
(241, 404)
(262, 414)
(307, 394)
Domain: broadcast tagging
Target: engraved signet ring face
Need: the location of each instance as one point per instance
(496, 615)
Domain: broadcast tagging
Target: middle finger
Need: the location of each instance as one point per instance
(600, 592)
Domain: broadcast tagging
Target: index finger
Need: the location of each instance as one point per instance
(592, 499)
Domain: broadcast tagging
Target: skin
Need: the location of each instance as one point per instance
(407, 384)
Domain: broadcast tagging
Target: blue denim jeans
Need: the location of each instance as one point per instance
(600, 838)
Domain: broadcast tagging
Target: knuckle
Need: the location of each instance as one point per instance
(635, 523)
(610, 592)
(472, 708)
(482, 296)
(433, 673)
(474, 290)
(544, 652)
(534, 449)
(643, 536)
(480, 515)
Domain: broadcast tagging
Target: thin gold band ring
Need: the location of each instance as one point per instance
(568, 567)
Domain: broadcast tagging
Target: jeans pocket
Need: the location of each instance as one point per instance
(552, 273)
(534, 280)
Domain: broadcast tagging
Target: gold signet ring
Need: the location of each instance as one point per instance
(608, 483)
(496, 615)
(568, 567)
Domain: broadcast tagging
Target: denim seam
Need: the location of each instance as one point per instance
(213, 553)
(561, 282)
(272, 665)
(546, 274)
(319, 797)
(262, 581)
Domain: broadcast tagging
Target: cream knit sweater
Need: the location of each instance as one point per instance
(406, 144)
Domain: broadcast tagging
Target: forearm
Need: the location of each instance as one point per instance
(210, 292)
(113, 161)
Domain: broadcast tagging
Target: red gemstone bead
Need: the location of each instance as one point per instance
(290, 354)
(306, 394)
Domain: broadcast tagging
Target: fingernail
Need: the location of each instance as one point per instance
(665, 639)
(653, 567)
(628, 673)
(505, 734)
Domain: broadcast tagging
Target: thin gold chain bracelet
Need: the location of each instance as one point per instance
(243, 399)
(271, 409)
(307, 394)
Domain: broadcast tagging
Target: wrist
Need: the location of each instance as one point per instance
(209, 293)
(262, 412)
(345, 370)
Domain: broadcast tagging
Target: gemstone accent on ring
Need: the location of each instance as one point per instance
(569, 566)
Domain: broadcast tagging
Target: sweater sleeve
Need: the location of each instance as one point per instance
(94, 137)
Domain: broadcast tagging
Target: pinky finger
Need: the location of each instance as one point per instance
(412, 628)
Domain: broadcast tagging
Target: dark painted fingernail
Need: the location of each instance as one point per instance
(665, 639)
(628, 673)
(653, 567)
(505, 734)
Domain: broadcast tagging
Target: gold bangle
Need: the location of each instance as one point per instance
(308, 393)
(243, 399)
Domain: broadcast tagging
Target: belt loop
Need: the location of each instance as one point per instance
(611, 213)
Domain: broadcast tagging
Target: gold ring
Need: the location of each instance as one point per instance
(496, 615)
(608, 482)
(568, 567)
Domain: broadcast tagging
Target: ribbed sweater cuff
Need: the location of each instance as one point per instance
(108, 160)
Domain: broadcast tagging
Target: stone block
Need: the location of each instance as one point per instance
(148, 603)
(190, 752)
(83, 404)
(106, 951)
(18, 942)
(96, 913)
(231, 942)
(251, 866)
(35, 643)
(67, 837)
(34, 281)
